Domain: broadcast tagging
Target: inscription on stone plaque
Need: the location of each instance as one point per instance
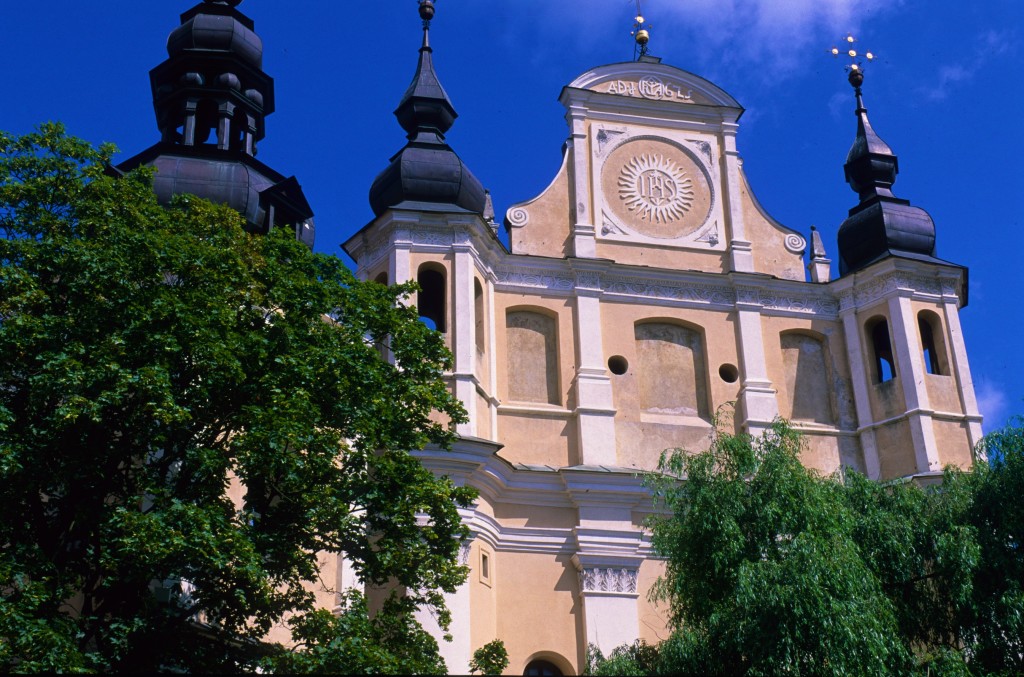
(649, 87)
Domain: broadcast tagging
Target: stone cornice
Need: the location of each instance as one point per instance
(917, 280)
(657, 287)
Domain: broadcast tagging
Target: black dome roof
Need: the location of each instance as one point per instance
(881, 224)
(217, 26)
(427, 171)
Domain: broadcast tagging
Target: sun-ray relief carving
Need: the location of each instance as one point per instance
(656, 189)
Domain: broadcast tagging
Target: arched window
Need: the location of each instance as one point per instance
(808, 384)
(932, 345)
(673, 377)
(542, 669)
(532, 340)
(478, 315)
(239, 126)
(432, 296)
(206, 122)
(382, 278)
(881, 350)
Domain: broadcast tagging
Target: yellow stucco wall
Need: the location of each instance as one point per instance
(549, 230)
(532, 590)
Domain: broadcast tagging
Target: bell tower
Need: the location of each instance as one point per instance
(899, 304)
(211, 98)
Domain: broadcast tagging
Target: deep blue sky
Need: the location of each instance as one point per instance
(947, 94)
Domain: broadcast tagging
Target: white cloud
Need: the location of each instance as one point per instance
(774, 35)
(987, 46)
(992, 403)
(839, 105)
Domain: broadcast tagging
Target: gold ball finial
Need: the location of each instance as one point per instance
(426, 10)
(641, 33)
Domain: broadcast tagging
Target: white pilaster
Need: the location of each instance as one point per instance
(740, 247)
(492, 350)
(595, 408)
(345, 580)
(463, 325)
(399, 263)
(757, 395)
(610, 616)
(584, 233)
(910, 366)
(456, 653)
(859, 378)
(960, 367)
(608, 565)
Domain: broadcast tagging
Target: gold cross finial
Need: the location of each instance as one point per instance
(848, 50)
(640, 33)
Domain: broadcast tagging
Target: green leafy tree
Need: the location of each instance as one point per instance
(490, 659)
(638, 658)
(993, 630)
(188, 415)
(920, 546)
(390, 643)
(772, 568)
(763, 572)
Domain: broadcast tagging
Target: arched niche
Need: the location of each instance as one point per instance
(672, 369)
(478, 316)
(808, 378)
(531, 339)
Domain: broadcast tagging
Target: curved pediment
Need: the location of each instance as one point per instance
(654, 82)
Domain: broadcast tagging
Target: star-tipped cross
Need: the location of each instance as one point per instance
(848, 50)
(640, 33)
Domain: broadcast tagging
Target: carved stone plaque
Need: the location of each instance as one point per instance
(656, 189)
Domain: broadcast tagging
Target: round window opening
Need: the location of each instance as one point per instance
(729, 373)
(618, 365)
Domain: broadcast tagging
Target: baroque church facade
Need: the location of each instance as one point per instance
(642, 294)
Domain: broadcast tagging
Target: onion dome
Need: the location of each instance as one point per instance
(213, 80)
(217, 26)
(426, 172)
(882, 224)
(211, 98)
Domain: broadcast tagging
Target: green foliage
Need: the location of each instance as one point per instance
(762, 567)
(389, 643)
(490, 659)
(995, 627)
(638, 658)
(773, 569)
(188, 415)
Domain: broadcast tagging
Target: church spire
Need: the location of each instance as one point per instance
(425, 108)
(427, 171)
(881, 225)
(871, 166)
